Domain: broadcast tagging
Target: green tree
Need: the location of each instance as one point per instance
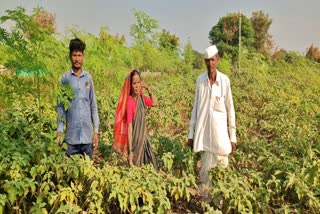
(198, 62)
(225, 34)
(169, 42)
(144, 29)
(188, 56)
(25, 46)
(147, 55)
(114, 49)
(261, 23)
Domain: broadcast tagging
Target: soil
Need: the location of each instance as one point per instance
(191, 206)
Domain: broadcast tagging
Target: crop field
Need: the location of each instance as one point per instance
(275, 168)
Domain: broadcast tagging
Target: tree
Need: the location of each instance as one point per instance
(144, 29)
(198, 62)
(262, 39)
(279, 54)
(111, 48)
(192, 59)
(169, 42)
(225, 34)
(24, 41)
(188, 54)
(25, 45)
(313, 53)
(44, 19)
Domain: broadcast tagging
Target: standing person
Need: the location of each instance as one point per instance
(83, 111)
(212, 125)
(130, 129)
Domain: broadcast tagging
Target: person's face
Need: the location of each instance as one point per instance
(136, 85)
(212, 63)
(76, 58)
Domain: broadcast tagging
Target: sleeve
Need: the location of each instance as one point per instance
(61, 112)
(193, 119)
(231, 114)
(147, 101)
(130, 106)
(94, 108)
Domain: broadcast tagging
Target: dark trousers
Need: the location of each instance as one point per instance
(81, 149)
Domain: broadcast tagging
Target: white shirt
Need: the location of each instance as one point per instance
(212, 124)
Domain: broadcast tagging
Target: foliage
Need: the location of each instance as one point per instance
(189, 56)
(24, 41)
(149, 58)
(144, 29)
(39, 177)
(44, 19)
(261, 23)
(277, 125)
(25, 46)
(275, 168)
(313, 53)
(225, 65)
(279, 54)
(152, 51)
(65, 96)
(225, 34)
(198, 62)
(168, 41)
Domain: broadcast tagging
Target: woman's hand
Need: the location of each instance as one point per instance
(130, 151)
(145, 86)
(151, 95)
(130, 159)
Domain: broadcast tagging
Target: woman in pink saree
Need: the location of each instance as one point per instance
(130, 129)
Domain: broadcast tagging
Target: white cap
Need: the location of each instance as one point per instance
(210, 51)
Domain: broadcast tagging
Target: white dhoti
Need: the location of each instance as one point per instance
(209, 160)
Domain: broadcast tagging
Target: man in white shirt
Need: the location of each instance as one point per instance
(212, 125)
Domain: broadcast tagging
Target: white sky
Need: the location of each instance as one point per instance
(294, 25)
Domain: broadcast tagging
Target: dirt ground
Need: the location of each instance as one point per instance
(192, 206)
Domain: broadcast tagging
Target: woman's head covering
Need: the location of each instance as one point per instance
(120, 124)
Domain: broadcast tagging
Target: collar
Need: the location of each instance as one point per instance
(218, 79)
(82, 72)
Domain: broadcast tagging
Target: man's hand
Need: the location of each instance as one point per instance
(95, 140)
(59, 139)
(233, 147)
(190, 143)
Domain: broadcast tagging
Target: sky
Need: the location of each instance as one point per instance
(294, 22)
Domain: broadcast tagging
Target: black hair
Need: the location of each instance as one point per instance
(132, 73)
(77, 45)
